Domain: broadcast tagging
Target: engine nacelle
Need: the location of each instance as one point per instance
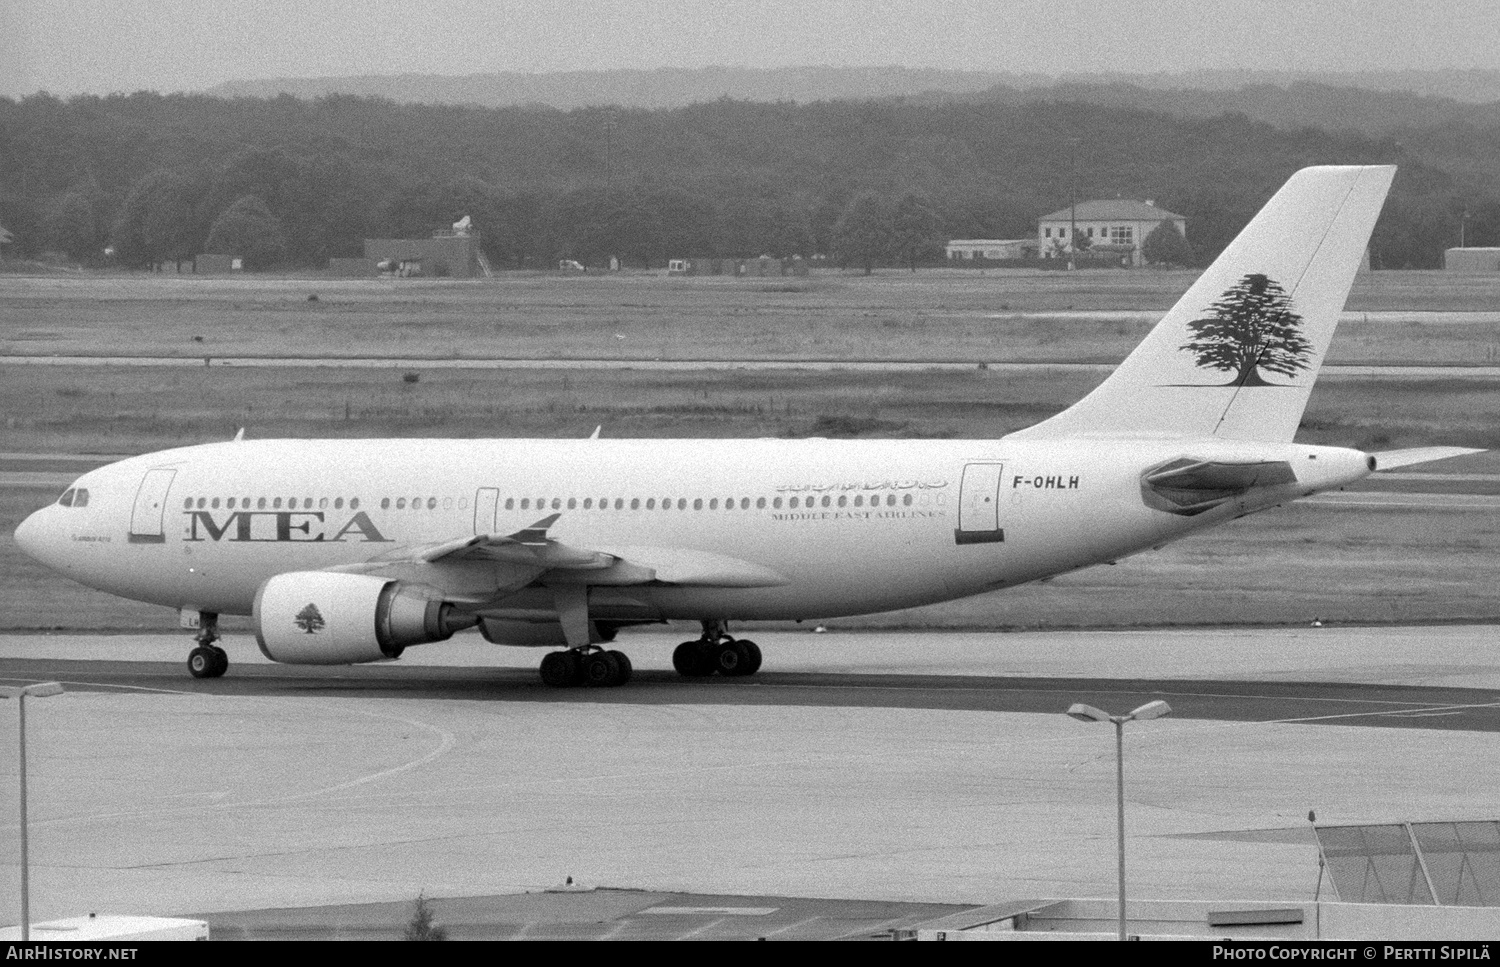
(324, 618)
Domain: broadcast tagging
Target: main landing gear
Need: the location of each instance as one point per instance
(716, 651)
(207, 660)
(586, 666)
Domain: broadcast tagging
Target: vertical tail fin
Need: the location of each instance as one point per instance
(1237, 356)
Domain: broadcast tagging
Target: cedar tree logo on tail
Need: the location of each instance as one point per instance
(309, 619)
(1252, 328)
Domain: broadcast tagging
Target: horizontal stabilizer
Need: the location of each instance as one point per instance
(1391, 459)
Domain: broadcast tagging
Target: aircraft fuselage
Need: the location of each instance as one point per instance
(780, 528)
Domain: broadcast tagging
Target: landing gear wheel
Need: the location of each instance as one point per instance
(728, 659)
(692, 660)
(207, 662)
(749, 657)
(561, 669)
(623, 660)
(601, 669)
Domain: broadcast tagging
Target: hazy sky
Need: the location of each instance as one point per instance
(99, 46)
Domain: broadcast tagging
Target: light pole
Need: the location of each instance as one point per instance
(41, 690)
(1087, 713)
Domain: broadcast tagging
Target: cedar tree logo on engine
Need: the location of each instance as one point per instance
(309, 619)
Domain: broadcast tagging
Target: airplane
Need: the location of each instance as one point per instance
(350, 551)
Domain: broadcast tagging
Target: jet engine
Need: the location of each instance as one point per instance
(325, 618)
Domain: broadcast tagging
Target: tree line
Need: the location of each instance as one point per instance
(291, 182)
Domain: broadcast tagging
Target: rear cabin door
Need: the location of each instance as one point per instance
(979, 505)
(486, 502)
(148, 515)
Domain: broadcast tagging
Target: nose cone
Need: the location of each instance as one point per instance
(31, 536)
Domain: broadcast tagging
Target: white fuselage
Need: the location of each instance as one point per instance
(833, 527)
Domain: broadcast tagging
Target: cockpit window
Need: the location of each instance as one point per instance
(74, 497)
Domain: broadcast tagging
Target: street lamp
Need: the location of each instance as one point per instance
(1087, 713)
(41, 690)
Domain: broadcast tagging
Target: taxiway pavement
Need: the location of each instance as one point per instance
(151, 793)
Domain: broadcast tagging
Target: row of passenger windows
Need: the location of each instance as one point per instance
(80, 498)
(270, 503)
(698, 503)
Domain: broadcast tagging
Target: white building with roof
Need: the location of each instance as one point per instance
(1111, 226)
(990, 249)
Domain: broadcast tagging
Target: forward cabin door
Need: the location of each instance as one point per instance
(486, 503)
(147, 517)
(979, 505)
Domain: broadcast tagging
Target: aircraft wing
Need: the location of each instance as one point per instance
(474, 569)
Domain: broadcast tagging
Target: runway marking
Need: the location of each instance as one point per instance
(446, 741)
(1431, 710)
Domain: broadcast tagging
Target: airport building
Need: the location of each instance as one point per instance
(449, 253)
(990, 249)
(1114, 229)
(1471, 260)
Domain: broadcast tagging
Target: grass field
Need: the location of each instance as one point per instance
(1290, 565)
(934, 315)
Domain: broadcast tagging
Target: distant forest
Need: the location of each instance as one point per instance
(290, 182)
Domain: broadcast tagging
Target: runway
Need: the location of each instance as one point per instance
(932, 768)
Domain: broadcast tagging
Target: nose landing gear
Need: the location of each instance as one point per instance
(207, 660)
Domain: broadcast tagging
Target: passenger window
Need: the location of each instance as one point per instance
(400, 503)
(432, 503)
(843, 501)
(572, 503)
(338, 503)
(760, 503)
(906, 500)
(651, 503)
(713, 504)
(385, 503)
(697, 503)
(619, 503)
(744, 503)
(666, 503)
(792, 503)
(635, 503)
(186, 504)
(229, 503)
(588, 503)
(525, 503)
(260, 504)
(354, 503)
(510, 503)
(826, 500)
(776, 503)
(557, 503)
(214, 503)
